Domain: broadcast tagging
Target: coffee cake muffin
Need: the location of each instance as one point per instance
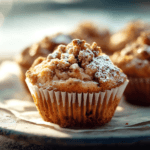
(90, 32)
(134, 60)
(42, 48)
(76, 86)
(127, 35)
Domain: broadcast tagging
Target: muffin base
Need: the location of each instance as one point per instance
(83, 110)
(138, 91)
(89, 119)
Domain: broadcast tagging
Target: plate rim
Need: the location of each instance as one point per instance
(71, 141)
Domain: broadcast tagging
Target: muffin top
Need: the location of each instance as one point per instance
(90, 32)
(128, 34)
(77, 67)
(134, 59)
(42, 48)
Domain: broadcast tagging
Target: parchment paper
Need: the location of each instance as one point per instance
(15, 99)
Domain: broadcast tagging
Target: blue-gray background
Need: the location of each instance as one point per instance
(23, 22)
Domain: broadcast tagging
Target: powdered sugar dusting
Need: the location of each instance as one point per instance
(74, 66)
(65, 56)
(138, 63)
(105, 68)
(53, 55)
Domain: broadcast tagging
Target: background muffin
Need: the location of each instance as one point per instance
(127, 35)
(42, 48)
(134, 60)
(76, 86)
(91, 32)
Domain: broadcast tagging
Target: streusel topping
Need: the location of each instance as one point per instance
(42, 48)
(90, 32)
(77, 67)
(134, 59)
(128, 34)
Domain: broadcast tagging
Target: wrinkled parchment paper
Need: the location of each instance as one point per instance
(15, 99)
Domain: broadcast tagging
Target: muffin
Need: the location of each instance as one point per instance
(134, 60)
(76, 86)
(127, 35)
(90, 32)
(42, 48)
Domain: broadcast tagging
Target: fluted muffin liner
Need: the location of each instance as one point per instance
(138, 91)
(76, 109)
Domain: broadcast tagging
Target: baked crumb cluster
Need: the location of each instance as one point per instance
(77, 67)
(134, 59)
(127, 35)
(42, 48)
(90, 32)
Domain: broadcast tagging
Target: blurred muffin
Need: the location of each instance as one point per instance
(42, 48)
(127, 35)
(134, 60)
(91, 32)
(76, 86)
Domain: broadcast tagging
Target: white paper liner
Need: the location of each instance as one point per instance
(95, 102)
(139, 80)
(138, 90)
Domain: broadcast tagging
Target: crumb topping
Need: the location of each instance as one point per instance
(128, 34)
(134, 59)
(90, 32)
(42, 48)
(77, 64)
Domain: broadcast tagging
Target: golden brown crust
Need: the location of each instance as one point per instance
(77, 67)
(134, 59)
(127, 35)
